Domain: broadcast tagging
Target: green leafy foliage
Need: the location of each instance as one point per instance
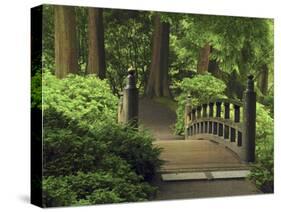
(201, 88)
(133, 146)
(86, 151)
(127, 44)
(70, 148)
(94, 188)
(36, 91)
(86, 99)
(262, 172)
(238, 43)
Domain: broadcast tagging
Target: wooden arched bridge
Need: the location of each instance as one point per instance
(219, 135)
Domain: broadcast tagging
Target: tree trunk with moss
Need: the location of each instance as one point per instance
(66, 58)
(203, 59)
(158, 84)
(96, 56)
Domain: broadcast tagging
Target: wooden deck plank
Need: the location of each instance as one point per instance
(194, 155)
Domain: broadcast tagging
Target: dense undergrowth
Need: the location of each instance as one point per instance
(201, 88)
(262, 173)
(88, 157)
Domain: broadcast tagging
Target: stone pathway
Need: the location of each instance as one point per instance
(189, 156)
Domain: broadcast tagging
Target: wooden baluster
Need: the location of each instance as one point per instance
(187, 110)
(226, 110)
(194, 129)
(226, 116)
(204, 110)
(218, 110)
(236, 113)
(211, 109)
(210, 127)
(187, 115)
(239, 139)
(205, 124)
(220, 129)
(198, 109)
(190, 116)
(232, 134)
(211, 114)
(226, 132)
(215, 130)
(193, 114)
(201, 127)
(199, 112)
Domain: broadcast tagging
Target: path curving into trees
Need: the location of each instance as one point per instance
(158, 118)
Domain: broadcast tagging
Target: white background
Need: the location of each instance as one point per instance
(15, 98)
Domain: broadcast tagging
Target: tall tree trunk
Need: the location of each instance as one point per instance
(203, 59)
(96, 56)
(66, 58)
(165, 59)
(263, 80)
(158, 77)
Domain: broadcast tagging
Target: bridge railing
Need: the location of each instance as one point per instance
(229, 122)
(128, 103)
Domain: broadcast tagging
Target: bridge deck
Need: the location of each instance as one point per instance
(183, 155)
(188, 157)
(197, 155)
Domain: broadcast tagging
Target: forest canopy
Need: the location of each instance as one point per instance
(228, 47)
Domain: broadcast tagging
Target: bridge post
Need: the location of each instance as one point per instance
(188, 107)
(130, 101)
(120, 110)
(187, 114)
(249, 121)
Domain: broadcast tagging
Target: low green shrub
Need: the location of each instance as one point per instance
(36, 91)
(95, 159)
(86, 99)
(133, 146)
(201, 88)
(262, 173)
(68, 147)
(94, 188)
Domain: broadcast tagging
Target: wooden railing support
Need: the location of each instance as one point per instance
(120, 110)
(130, 103)
(187, 114)
(249, 119)
(188, 107)
(205, 121)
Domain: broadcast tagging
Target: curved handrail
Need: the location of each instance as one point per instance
(202, 121)
(225, 100)
(228, 122)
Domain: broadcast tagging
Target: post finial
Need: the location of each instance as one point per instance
(131, 78)
(250, 83)
(131, 70)
(188, 99)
